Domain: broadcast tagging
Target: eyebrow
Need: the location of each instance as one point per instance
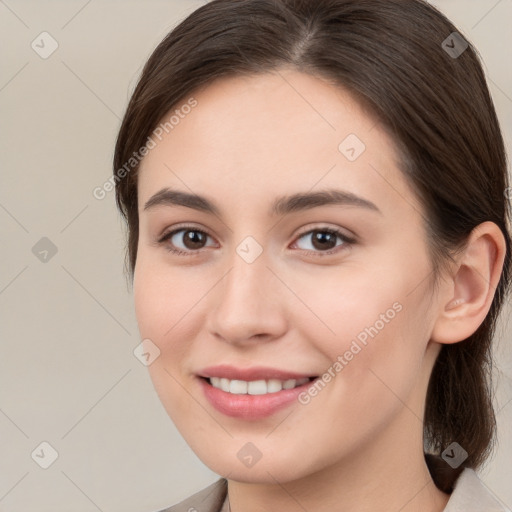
(281, 206)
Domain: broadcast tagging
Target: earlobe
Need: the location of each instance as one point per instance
(465, 298)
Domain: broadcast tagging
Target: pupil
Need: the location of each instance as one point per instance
(321, 238)
(194, 238)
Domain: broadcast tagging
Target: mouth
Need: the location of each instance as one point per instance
(254, 393)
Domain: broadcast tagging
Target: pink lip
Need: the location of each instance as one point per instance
(249, 374)
(250, 407)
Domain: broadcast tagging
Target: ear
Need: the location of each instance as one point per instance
(466, 296)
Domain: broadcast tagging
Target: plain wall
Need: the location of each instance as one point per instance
(68, 375)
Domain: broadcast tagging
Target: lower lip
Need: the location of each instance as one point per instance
(251, 407)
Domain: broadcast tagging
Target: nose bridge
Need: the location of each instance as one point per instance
(248, 275)
(246, 301)
(248, 280)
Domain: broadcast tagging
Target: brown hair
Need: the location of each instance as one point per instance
(390, 55)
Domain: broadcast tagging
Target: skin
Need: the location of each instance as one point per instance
(359, 442)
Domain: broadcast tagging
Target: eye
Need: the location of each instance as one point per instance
(323, 241)
(193, 240)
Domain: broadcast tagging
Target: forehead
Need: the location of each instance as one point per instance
(272, 134)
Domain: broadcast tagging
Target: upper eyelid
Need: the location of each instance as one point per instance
(167, 232)
(324, 227)
(302, 231)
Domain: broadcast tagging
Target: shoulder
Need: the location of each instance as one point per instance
(209, 499)
(470, 494)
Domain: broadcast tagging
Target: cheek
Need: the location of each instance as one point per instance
(163, 299)
(167, 308)
(158, 314)
(354, 305)
(379, 324)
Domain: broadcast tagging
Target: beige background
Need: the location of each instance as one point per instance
(68, 375)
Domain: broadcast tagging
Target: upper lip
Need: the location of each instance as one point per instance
(250, 374)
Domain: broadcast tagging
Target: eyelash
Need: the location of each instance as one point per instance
(345, 239)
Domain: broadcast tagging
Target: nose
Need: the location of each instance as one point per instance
(248, 303)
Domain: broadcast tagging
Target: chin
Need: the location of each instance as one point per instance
(269, 474)
(280, 467)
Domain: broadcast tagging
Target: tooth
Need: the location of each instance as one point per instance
(257, 387)
(289, 384)
(238, 387)
(274, 385)
(224, 384)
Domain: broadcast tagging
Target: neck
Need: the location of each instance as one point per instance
(370, 478)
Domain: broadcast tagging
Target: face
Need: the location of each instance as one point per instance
(305, 258)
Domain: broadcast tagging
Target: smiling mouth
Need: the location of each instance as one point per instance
(255, 387)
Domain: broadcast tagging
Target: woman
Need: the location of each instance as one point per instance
(317, 234)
